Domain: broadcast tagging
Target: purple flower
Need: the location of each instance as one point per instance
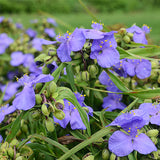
(25, 99)
(1, 139)
(72, 115)
(19, 25)
(5, 110)
(38, 42)
(17, 58)
(153, 111)
(5, 41)
(97, 26)
(50, 32)
(141, 68)
(52, 21)
(31, 33)
(70, 42)
(1, 19)
(104, 50)
(122, 144)
(139, 33)
(11, 89)
(52, 67)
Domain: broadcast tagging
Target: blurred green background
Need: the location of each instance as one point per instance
(110, 12)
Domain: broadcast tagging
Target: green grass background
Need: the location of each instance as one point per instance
(152, 19)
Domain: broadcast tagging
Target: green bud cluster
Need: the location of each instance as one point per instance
(10, 151)
(88, 156)
(105, 154)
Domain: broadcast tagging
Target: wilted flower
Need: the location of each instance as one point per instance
(121, 143)
(52, 21)
(25, 99)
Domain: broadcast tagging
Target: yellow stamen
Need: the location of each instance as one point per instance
(106, 40)
(110, 45)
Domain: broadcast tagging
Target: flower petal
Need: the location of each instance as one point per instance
(143, 144)
(25, 100)
(120, 144)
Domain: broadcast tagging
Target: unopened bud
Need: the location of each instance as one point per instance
(59, 104)
(152, 133)
(52, 88)
(99, 141)
(126, 39)
(38, 99)
(130, 35)
(155, 63)
(26, 151)
(10, 152)
(45, 70)
(113, 156)
(44, 109)
(49, 124)
(59, 114)
(85, 76)
(36, 114)
(122, 31)
(39, 86)
(77, 69)
(25, 128)
(46, 93)
(5, 145)
(77, 56)
(86, 109)
(93, 70)
(47, 58)
(105, 154)
(88, 156)
(14, 142)
(40, 58)
(19, 158)
(51, 51)
(154, 140)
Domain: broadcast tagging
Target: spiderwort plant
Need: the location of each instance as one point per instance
(121, 143)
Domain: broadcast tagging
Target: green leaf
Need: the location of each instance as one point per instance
(56, 144)
(5, 57)
(78, 134)
(133, 44)
(1, 98)
(16, 126)
(70, 77)
(137, 53)
(117, 81)
(131, 156)
(145, 94)
(66, 93)
(101, 133)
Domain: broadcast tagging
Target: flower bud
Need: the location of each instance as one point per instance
(5, 145)
(88, 156)
(85, 76)
(46, 93)
(86, 109)
(45, 70)
(10, 152)
(47, 58)
(25, 128)
(133, 84)
(38, 99)
(105, 154)
(77, 56)
(154, 140)
(113, 156)
(14, 142)
(59, 114)
(44, 109)
(51, 51)
(26, 151)
(49, 124)
(40, 58)
(36, 114)
(126, 39)
(130, 35)
(152, 133)
(77, 69)
(39, 86)
(99, 141)
(52, 88)
(122, 31)
(19, 158)
(55, 95)
(59, 104)
(78, 77)
(93, 70)
(155, 63)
